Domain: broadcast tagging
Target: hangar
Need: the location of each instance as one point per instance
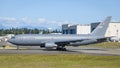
(76, 29)
(113, 29)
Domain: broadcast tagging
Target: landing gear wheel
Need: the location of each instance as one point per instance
(61, 48)
(64, 49)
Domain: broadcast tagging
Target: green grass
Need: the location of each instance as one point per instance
(105, 45)
(58, 61)
(62, 60)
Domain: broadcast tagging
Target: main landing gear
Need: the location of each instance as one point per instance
(61, 48)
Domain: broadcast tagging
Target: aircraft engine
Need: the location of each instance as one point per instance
(48, 45)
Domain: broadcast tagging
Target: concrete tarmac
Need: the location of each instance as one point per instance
(70, 50)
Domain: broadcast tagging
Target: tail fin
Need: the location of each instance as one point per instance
(102, 27)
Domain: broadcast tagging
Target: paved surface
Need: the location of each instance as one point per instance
(70, 50)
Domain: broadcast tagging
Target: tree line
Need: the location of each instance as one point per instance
(26, 31)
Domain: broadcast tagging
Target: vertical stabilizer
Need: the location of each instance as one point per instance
(101, 29)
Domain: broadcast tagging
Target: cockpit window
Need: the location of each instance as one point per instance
(13, 37)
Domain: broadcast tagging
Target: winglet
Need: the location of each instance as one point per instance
(102, 27)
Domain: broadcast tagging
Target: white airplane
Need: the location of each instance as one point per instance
(60, 41)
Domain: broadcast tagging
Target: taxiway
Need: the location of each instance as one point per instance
(70, 50)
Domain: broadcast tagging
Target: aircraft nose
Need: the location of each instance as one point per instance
(10, 40)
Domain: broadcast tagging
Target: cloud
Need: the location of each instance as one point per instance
(9, 22)
(25, 20)
(42, 20)
(49, 23)
(7, 19)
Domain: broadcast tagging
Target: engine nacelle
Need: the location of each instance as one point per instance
(115, 39)
(84, 42)
(48, 45)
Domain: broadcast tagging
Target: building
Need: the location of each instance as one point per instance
(65, 28)
(76, 29)
(113, 29)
